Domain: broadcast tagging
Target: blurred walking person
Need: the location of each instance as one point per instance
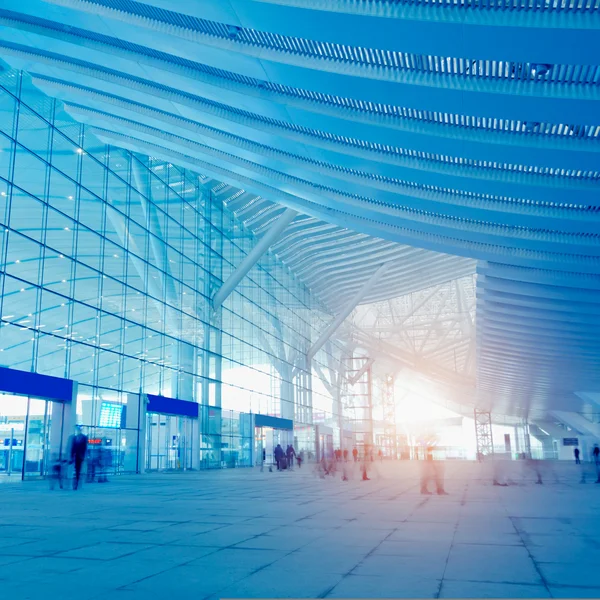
(345, 455)
(368, 454)
(321, 467)
(577, 459)
(279, 454)
(79, 443)
(432, 471)
(536, 467)
(355, 454)
(104, 464)
(290, 453)
(59, 471)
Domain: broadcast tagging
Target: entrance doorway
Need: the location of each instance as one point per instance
(325, 446)
(25, 427)
(168, 442)
(267, 438)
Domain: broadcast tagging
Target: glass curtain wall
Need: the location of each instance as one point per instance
(107, 263)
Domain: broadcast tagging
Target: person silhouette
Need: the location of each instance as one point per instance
(432, 471)
(79, 445)
(279, 454)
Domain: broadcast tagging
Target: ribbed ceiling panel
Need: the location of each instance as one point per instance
(425, 134)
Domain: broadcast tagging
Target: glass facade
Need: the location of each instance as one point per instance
(108, 261)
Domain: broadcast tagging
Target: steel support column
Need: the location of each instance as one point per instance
(527, 439)
(350, 306)
(389, 416)
(253, 256)
(483, 433)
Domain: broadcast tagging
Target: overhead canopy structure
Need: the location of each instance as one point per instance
(335, 262)
(397, 130)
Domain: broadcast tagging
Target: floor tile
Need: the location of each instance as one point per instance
(240, 533)
(480, 589)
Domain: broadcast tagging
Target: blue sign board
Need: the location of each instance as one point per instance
(570, 441)
(274, 422)
(24, 383)
(172, 406)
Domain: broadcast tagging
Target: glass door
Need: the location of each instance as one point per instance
(172, 444)
(37, 438)
(259, 445)
(13, 417)
(184, 442)
(168, 443)
(155, 442)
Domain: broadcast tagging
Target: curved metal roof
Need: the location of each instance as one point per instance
(465, 128)
(335, 262)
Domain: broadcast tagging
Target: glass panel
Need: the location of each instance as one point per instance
(27, 215)
(37, 439)
(13, 416)
(110, 285)
(7, 113)
(29, 172)
(63, 193)
(65, 153)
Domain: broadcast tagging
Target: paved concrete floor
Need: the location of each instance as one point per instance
(243, 533)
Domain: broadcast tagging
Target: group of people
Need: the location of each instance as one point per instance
(595, 461)
(284, 459)
(337, 462)
(78, 451)
(343, 455)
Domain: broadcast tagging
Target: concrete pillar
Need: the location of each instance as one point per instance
(337, 406)
(195, 443)
(526, 440)
(63, 417)
(317, 443)
(182, 384)
(286, 397)
(90, 409)
(135, 434)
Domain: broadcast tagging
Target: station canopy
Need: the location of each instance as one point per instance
(444, 139)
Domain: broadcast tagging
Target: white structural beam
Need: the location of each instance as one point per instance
(350, 306)
(355, 378)
(253, 256)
